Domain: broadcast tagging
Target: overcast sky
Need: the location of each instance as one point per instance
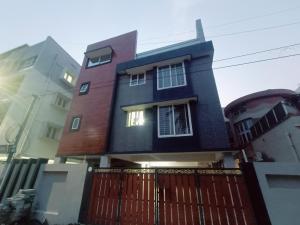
(75, 24)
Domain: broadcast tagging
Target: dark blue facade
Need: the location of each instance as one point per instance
(209, 131)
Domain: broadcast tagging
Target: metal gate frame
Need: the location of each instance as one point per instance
(160, 178)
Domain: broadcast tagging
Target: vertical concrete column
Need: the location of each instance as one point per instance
(199, 30)
(104, 161)
(228, 160)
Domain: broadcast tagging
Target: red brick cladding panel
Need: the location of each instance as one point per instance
(94, 108)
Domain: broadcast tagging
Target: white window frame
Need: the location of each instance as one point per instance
(138, 79)
(99, 62)
(85, 91)
(129, 119)
(175, 135)
(157, 76)
(73, 128)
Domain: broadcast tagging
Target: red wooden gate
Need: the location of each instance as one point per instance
(169, 197)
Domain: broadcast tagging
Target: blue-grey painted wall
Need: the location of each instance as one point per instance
(209, 131)
(123, 138)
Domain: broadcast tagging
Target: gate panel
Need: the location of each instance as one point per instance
(169, 197)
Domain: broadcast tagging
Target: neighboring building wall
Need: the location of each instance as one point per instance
(282, 143)
(44, 79)
(1, 167)
(280, 186)
(59, 192)
(94, 108)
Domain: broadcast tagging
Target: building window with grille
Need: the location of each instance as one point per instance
(243, 130)
(98, 60)
(84, 88)
(174, 120)
(171, 76)
(137, 79)
(135, 118)
(52, 132)
(75, 124)
(61, 101)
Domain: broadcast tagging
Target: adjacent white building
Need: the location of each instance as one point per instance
(37, 81)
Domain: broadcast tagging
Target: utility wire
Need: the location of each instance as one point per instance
(227, 23)
(111, 83)
(233, 33)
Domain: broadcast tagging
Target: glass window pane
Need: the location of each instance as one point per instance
(181, 119)
(134, 80)
(166, 121)
(142, 79)
(174, 76)
(164, 77)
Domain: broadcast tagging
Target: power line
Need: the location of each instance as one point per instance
(111, 83)
(254, 17)
(227, 23)
(233, 33)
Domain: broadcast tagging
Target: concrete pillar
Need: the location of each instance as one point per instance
(199, 30)
(104, 161)
(228, 160)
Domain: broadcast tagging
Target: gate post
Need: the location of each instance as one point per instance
(156, 197)
(199, 203)
(120, 196)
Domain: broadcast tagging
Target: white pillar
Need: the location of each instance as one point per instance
(228, 160)
(104, 161)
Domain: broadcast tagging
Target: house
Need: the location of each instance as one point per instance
(160, 105)
(266, 124)
(36, 90)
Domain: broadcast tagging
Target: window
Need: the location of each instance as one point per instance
(84, 88)
(52, 132)
(68, 77)
(135, 118)
(27, 62)
(174, 120)
(171, 76)
(95, 61)
(75, 123)
(61, 101)
(137, 79)
(243, 129)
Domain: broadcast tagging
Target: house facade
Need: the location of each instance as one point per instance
(36, 90)
(266, 125)
(160, 105)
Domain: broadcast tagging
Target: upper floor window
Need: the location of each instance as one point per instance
(27, 62)
(75, 124)
(171, 76)
(52, 132)
(84, 88)
(137, 79)
(243, 130)
(61, 101)
(135, 118)
(174, 120)
(68, 78)
(95, 61)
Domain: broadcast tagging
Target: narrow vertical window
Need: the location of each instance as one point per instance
(75, 123)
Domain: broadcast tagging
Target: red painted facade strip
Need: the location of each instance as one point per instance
(95, 107)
